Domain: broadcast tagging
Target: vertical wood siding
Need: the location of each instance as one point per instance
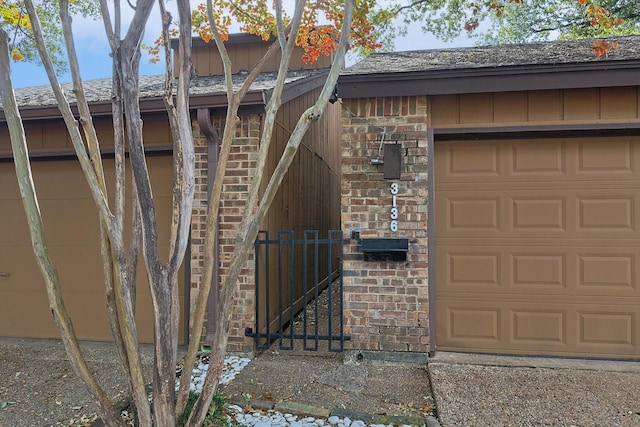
(207, 62)
(545, 107)
(309, 198)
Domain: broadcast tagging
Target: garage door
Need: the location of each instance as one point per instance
(538, 246)
(71, 225)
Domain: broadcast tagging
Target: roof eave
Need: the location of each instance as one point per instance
(496, 79)
(147, 106)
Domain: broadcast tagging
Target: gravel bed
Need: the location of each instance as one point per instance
(470, 395)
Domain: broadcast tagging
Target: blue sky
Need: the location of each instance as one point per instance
(93, 52)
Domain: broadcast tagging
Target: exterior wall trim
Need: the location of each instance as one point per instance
(431, 242)
(213, 145)
(147, 105)
(500, 79)
(488, 131)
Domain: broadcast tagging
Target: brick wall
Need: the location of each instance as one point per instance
(386, 303)
(240, 167)
(315, 170)
(242, 162)
(198, 218)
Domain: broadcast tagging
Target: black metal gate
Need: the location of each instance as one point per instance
(299, 291)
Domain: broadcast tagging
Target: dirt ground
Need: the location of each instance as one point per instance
(373, 387)
(38, 387)
(288, 371)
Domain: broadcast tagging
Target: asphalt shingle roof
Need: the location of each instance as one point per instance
(531, 54)
(99, 90)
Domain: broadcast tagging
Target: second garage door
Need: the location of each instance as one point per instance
(537, 246)
(73, 235)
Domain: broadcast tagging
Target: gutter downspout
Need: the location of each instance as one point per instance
(213, 147)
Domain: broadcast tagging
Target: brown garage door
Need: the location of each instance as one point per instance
(71, 225)
(537, 246)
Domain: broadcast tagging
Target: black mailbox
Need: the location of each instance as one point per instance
(385, 249)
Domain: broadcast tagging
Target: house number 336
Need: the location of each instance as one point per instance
(393, 225)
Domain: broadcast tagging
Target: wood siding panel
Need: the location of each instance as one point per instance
(244, 56)
(547, 107)
(619, 103)
(53, 137)
(582, 104)
(476, 108)
(544, 106)
(510, 107)
(57, 138)
(309, 197)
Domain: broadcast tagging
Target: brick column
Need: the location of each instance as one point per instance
(240, 167)
(386, 303)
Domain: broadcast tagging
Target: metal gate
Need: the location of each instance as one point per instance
(299, 291)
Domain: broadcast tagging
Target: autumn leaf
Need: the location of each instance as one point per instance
(16, 55)
(257, 17)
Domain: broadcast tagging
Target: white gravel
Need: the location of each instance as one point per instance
(277, 419)
(232, 366)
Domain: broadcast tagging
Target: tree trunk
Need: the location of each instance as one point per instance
(48, 269)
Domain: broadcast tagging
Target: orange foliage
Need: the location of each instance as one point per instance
(598, 16)
(594, 13)
(257, 17)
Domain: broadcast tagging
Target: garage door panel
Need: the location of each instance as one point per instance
(537, 250)
(547, 161)
(473, 213)
(538, 327)
(531, 213)
(14, 226)
(66, 220)
(71, 226)
(534, 270)
(538, 270)
(54, 182)
(536, 159)
(501, 270)
(606, 156)
(21, 271)
(467, 160)
(16, 306)
(606, 327)
(516, 327)
(571, 212)
(607, 272)
(469, 324)
(475, 270)
(606, 213)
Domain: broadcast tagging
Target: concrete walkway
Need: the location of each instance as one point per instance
(478, 390)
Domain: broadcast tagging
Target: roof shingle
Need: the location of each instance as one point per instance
(99, 90)
(531, 54)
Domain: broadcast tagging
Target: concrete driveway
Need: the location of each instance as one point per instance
(479, 390)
